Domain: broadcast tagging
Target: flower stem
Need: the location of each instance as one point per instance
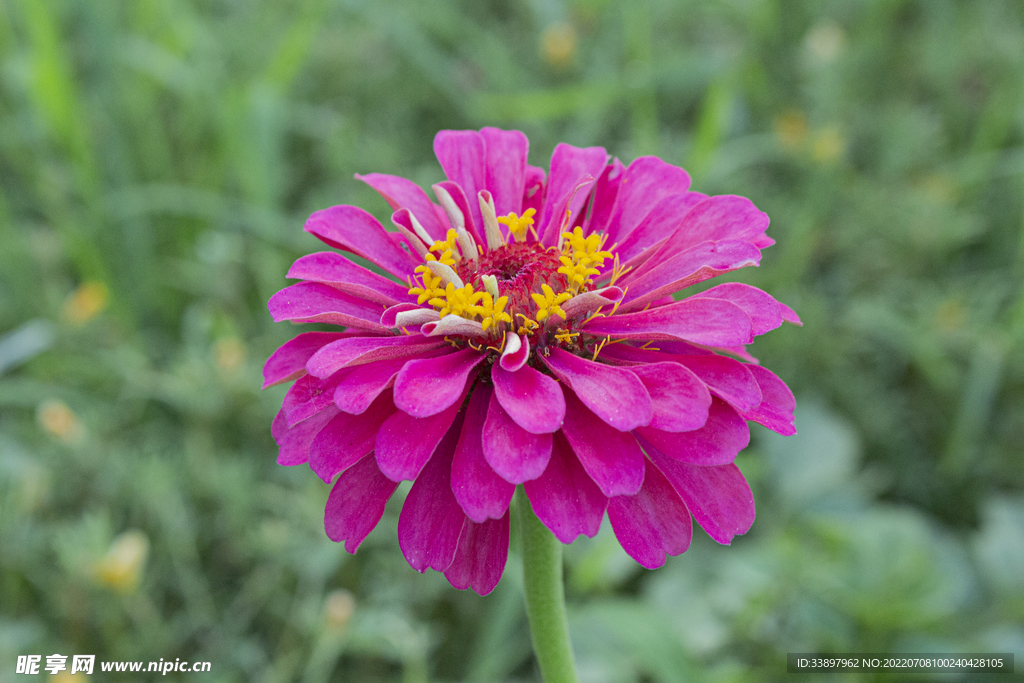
(545, 596)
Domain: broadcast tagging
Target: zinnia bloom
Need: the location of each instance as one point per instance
(524, 332)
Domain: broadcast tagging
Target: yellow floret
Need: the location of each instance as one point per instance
(518, 225)
(460, 301)
(447, 249)
(494, 312)
(549, 303)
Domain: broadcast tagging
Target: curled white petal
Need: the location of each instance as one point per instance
(453, 324)
(586, 302)
(446, 273)
(494, 239)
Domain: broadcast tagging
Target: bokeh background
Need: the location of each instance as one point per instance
(158, 159)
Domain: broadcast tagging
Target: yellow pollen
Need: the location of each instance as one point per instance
(518, 225)
(429, 284)
(528, 325)
(565, 336)
(492, 312)
(581, 257)
(460, 301)
(550, 303)
(448, 249)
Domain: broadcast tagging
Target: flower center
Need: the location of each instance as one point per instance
(520, 270)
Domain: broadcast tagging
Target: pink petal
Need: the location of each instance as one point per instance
(681, 270)
(474, 221)
(515, 357)
(585, 303)
(308, 396)
(660, 222)
(400, 193)
(405, 443)
(418, 314)
(312, 302)
(568, 165)
(764, 311)
(532, 399)
(462, 155)
(505, 168)
(480, 491)
(533, 194)
(718, 497)
(777, 403)
(612, 458)
(712, 322)
(565, 498)
(726, 377)
(361, 350)
(351, 228)
(653, 523)
(293, 442)
(789, 315)
(357, 503)
(347, 438)
(341, 273)
(358, 386)
(514, 453)
(481, 555)
(431, 520)
(679, 400)
(605, 190)
(614, 394)
(426, 386)
(289, 361)
(716, 443)
(644, 184)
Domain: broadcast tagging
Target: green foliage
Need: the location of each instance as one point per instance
(158, 158)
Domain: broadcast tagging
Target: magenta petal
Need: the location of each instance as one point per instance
(660, 222)
(293, 442)
(474, 221)
(427, 386)
(659, 278)
(400, 193)
(613, 459)
(777, 403)
(716, 443)
(645, 182)
(481, 555)
(477, 487)
(431, 520)
(532, 399)
(462, 156)
(357, 503)
(565, 498)
(351, 228)
(712, 322)
(514, 453)
(313, 302)
(533, 194)
(718, 497)
(568, 165)
(605, 190)
(730, 379)
(308, 396)
(653, 523)
(405, 443)
(679, 400)
(347, 438)
(354, 351)
(764, 311)
(614, 394)
(789, 315)
(505, 168)
(358, 386)
(289, 361)
(342, 273)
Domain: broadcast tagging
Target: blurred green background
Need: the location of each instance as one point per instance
(158, 159)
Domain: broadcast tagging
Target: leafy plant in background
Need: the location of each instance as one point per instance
(156, 157)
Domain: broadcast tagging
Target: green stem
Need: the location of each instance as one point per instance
(545, 596)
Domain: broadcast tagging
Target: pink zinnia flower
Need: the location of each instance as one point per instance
(525, 333)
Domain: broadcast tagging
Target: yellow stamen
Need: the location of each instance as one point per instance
(528, 325)
(493, 313)
(549, 303)
(460, 301)
(518, 225)
(448, 249)
(565, 336)
(429, 285)
(581, 257)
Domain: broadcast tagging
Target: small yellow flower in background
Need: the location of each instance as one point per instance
(228, 354)
(791, 128)
(940, 188)
(121, 568)
(824, 42)
(86, 302)
(338, 608)
(950, 315)
(59, 421)
(558, 44)
(828, 145)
